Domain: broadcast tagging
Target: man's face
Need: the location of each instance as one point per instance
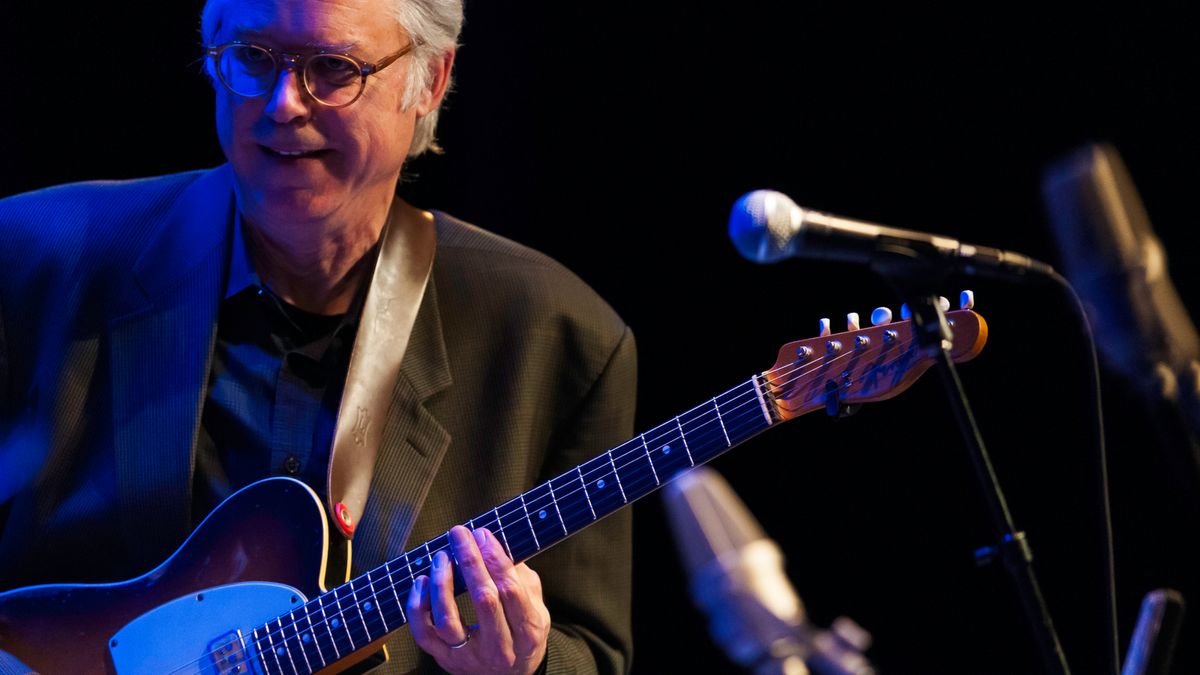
(349, 158)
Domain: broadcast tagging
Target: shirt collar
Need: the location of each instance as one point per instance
(241, 271)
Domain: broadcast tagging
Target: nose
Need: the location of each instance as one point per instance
(288, 101)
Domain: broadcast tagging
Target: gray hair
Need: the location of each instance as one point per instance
(433, 25)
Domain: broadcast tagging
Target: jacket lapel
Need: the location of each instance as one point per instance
(160, 351)
(414, 441)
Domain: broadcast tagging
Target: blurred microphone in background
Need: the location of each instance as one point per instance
(1117, 264)
(737, 579)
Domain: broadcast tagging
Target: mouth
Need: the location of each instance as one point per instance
(292, 154)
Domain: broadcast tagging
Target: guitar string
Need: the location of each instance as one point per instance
(393, 583)
(339, 612)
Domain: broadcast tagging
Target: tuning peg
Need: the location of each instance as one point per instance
(905, 312)
(943, 303)
(824, 328)
(852, 321)
(966, 300)
(881, 316)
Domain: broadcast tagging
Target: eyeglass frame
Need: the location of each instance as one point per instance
(298, 63)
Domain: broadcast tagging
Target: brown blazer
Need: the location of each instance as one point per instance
(515, 372)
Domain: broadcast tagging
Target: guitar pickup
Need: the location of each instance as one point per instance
(227, 655)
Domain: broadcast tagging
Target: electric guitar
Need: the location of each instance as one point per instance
(244, 593)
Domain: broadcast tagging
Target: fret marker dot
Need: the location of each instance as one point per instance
(666, 449)
(542, 514)
(281, 652)
(306, 638)
(418, 562)
(367, 606)
(600, 483)
(335, 623)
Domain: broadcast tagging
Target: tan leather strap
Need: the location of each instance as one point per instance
(397, 286)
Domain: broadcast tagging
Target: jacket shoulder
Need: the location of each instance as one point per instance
(506, 271)
(96, 217)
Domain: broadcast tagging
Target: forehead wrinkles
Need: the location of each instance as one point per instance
(318, 23)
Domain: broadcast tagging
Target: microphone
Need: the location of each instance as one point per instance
(1153, 641)
(1110, 253)
(737, 579)
(767, 226)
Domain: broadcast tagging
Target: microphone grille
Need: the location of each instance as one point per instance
(763, 225)
(708, 518)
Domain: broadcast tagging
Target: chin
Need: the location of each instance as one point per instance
(297, 204)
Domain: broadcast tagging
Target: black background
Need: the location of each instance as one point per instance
(615, 136)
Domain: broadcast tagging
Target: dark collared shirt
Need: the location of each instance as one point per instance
(274, 388)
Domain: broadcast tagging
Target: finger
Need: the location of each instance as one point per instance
(533, 586)
(420, 619)
(520, 609)
(446, 622)
(493, 627)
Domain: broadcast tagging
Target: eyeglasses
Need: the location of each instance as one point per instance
(332, 79)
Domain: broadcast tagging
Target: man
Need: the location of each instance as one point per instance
(164, 342)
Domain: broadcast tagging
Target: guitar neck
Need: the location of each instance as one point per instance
(857, 366)
(370, 606)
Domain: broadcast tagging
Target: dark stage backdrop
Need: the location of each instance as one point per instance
(615, 136)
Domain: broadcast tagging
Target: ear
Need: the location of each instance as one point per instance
(210, 70)
(440, 67)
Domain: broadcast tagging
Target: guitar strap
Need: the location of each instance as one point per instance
(393, 299)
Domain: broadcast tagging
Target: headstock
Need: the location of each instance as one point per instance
(862, 365)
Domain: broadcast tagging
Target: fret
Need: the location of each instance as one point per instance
(542, 507)
(326, 620)
(634, 471)
(270, 648)
(393, 583)
(617, 476)
(285, 641)
(705, 433)
(424, 562)
(583, 488)
(683, 438)
(525, 509)
(296, 637)
(665, 447)
(500, 531)
(378, 606)
(339, 623)
(557, 508)
(574, 509)
(745, 415)
(603, 490)
(649, 459)
(357, 607)
(724, 432)
(312, 636)
(518, 531)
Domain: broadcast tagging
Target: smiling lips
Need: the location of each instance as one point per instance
(278, 152)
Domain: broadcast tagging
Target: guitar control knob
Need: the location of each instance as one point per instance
(966, 300)
(905, 312)
(852, 321)
(824, 328)
(943, 303)
(881, 316)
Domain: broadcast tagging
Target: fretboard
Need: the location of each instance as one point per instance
(368, 607)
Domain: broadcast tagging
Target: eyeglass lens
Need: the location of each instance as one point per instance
(252, 71)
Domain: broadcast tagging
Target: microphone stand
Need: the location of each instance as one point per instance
(915, 279)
